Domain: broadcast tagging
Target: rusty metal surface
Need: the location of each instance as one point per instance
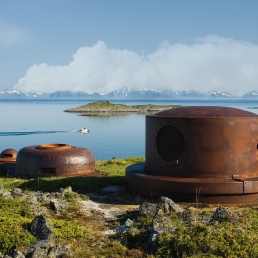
(186, 190)
(205, 112)
(8, 155)
(55, 160)
(212, 148)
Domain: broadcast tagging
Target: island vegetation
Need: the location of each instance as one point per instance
(233, 233)
(112, 108)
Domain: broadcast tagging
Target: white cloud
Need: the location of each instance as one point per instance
(211, 63)
(10, 34)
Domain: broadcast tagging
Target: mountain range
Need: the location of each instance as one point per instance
(127, 93)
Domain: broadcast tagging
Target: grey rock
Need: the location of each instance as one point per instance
(17, 192)
(162, 220)
(59, 250)
(122, 228)
(38, 210)
(41, 228)
(128, 223)
(58, 206)
(188, 216)
(7, 194)
(17, 254)
(67, 190)
(39, 249)
(223, 214)
(153, 238)
(7, 256)
(56, 195)
(32, 199)
(148, 209)
(42, 197)
(168, 205)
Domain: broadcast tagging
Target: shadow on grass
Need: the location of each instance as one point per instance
(80, 185)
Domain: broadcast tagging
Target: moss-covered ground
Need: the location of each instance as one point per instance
(238, 238)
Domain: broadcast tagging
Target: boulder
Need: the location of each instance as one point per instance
(41, 228)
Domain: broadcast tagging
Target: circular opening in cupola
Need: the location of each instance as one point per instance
(170, 143)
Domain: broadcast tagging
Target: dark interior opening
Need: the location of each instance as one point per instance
(8, 155)
(170, 143)
(48, 170)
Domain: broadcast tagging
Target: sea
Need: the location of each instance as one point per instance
(34, 122)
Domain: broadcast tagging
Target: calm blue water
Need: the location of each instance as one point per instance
(34, 122)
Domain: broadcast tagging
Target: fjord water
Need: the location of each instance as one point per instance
(34, 122)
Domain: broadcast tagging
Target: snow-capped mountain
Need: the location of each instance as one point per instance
(14, 94)
(251, 95)
(127, 93)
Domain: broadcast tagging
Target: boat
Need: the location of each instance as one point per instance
(84, 130)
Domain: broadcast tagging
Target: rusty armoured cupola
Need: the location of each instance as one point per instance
(55, 159)
(8, 155)
(202, 151)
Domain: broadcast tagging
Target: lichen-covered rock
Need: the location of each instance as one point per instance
(38, 210)
(41, 228)
(148, 209)
(162, 220)
(39, 249)
(66, 190)
(60, 250)
(17, 254)
(17, 192)
(122, 228)
(167, 205)
(31, 199)
(187, 216)
(58, 205)
(223, 214)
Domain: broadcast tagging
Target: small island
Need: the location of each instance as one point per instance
(98, 107)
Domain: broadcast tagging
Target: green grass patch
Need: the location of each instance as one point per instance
(102, 104)
(112, 171)
(15, 219)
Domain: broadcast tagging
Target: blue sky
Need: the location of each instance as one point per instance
(103, 45)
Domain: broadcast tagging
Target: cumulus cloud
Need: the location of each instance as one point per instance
(9, 34)
(210, 63)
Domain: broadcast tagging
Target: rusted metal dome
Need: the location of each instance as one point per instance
(54, 160)
(207, 151)
(8, 155)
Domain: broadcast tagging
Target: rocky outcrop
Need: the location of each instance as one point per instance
(40, 227)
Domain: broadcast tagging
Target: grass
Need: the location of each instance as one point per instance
(103, 104)
(84, 233)
(113, 172)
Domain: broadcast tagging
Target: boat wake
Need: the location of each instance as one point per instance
(33, 132)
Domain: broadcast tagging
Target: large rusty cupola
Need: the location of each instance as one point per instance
(207, 151)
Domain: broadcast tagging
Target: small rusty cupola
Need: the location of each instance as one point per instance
(205, 149)
(8, 155)
(54, 159)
